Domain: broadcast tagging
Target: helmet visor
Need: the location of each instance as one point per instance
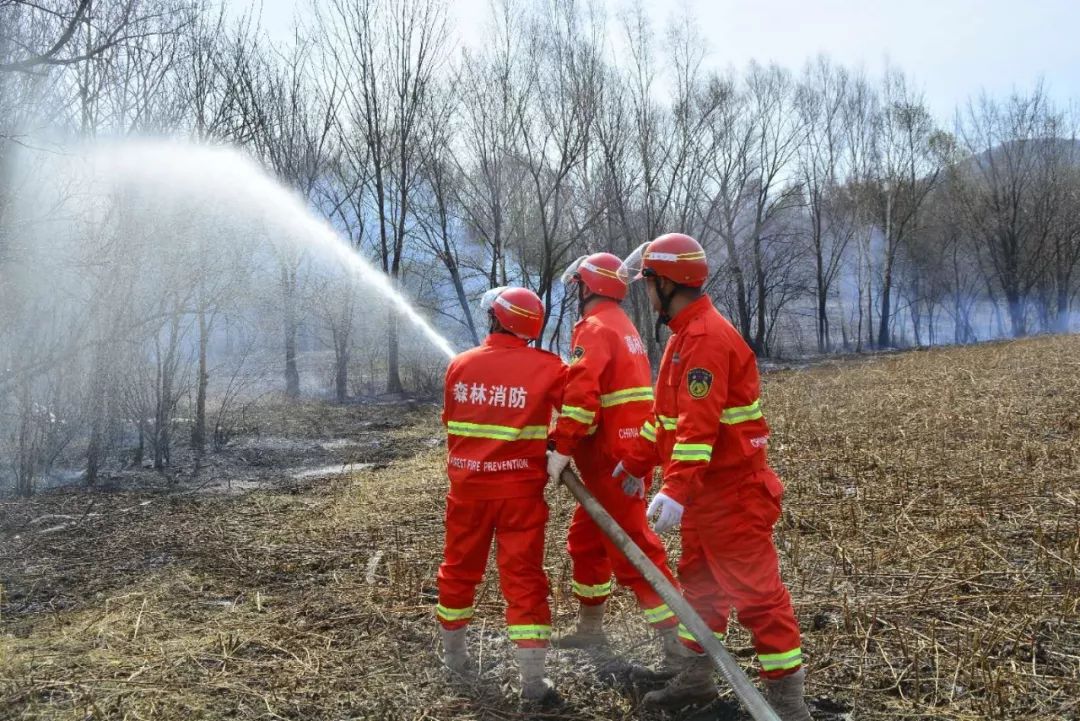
(569, 275)
(487, 301)
(630, 270)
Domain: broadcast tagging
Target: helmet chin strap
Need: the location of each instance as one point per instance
(494, 326)
(664, 316)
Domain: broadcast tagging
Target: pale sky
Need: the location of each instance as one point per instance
(951, 48)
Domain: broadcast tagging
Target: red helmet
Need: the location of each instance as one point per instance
(599, 273)
(518, 310)
(673, 256)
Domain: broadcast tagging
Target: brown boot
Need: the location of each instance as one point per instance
(589, 632)
(694, 684)
(787, 696)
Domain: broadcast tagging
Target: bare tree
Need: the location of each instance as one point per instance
(777, 133)
(293, 120)
(1006, 195)
(438, 212)
(822, 98)
(36, 35)
(910, 152)
(388, 55)
(493, 92)
(553, 129)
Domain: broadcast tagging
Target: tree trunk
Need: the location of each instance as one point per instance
(844, 330)
(740, 285)
(459, 290)
(884, 337)
(859, 324)
(140, 450)
(393, 370)
(823, 322)
(1017, 314)
(869, 309)
(1062, 317)
(292, 374)
(24, 475)
(198, 431)
(759, 272)
(341, 366)
(341, 378)
(916, 322)
(162, 437)
(95, 448)
(822, 290)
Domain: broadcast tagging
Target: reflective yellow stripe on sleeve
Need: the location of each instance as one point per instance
(742, 414)
(668, 422)
(578, 414)
(691, 452)
(626, 395)
(498, 433)
(648, 432)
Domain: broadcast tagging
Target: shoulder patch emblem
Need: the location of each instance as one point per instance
(699, 382)
(577, 354)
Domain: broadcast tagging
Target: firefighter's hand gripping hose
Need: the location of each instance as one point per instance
(729, 669)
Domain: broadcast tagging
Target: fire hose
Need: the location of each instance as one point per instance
(746, 691)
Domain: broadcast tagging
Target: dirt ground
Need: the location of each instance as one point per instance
(931, 540)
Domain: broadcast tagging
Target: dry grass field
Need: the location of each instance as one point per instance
(931, 540)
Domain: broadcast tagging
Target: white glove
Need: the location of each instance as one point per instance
(556, 463)
(667, 510)
(632, 485)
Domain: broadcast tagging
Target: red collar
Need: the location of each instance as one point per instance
(504, 340)
(695, 309)
(599, 307)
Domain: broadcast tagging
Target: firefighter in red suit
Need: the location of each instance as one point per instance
(498, 401)
(608, 397)
(709, 435)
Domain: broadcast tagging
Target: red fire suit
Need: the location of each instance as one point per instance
(608, 396)
(498, 401)
(709, 433)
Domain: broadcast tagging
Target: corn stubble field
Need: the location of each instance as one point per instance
(931, 539)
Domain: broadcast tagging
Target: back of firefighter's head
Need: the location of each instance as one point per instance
(515, 311)
(596, 276)
(672, 265)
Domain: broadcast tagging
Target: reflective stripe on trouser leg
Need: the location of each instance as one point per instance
(529, 632)
(596, 557)
(452, 615)
(685, 635)
(787, 661)
(591, 565)
(742, 558)
(519, 549)
(596, 592)
(470, 526)
(659, 616)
